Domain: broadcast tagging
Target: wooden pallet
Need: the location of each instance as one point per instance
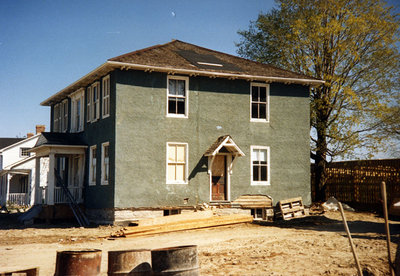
(292, 208)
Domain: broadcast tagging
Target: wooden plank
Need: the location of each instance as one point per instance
(291, 200)
(176, 218)
(185, 225)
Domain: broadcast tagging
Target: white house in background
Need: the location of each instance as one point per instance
(17, 171)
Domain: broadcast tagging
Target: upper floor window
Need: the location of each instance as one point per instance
(177, 163)
(259, 102)
(89, 104)
(77, 100)
(23, 152)
(177, 96)
(64, 115)
(106, 97)
(93, 104)
(105, 164)
(259, 165)
(56, 118)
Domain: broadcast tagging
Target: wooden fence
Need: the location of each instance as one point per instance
(357, 183)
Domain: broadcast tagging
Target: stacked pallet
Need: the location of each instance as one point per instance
(292, 208)
(198, 220)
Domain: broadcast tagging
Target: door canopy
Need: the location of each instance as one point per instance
(224, 144)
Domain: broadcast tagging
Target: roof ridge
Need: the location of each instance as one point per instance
(141, 50)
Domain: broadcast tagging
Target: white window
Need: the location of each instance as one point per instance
(23, 152)
(95, 102)
(77, 100)
(106, 97)
(89, 104)
(105, 164)
(92, 164)
(259, 102)
(64, 116)
(177, 96)
(56, 118)
(260, 174)
(177, 166)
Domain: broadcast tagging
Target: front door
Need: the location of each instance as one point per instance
(219, 178)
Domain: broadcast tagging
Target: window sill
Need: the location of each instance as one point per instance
(92, 183)
(260, 183)
(177, 183)
(104, 183)
(259, 120)
(176, 116)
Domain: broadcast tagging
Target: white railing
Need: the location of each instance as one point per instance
(61, 197)
(18, 199)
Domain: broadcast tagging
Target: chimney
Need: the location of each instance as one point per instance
(29, 135)
(40, 128)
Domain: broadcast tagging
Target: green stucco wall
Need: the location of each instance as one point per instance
(216, 107)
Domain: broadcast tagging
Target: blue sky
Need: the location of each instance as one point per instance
(45, 45)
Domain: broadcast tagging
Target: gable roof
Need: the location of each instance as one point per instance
(224, 142)
(5, 142)
(178, 57)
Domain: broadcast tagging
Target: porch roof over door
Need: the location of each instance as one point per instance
(59, 143)
(224, 144)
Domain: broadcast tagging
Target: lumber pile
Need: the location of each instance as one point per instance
(253, 201)
(292, 208)
(182, 222)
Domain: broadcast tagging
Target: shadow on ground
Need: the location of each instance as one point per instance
(322, 223)
(10, 221)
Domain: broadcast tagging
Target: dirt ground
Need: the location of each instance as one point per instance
(315, 245)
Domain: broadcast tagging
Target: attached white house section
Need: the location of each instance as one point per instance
(17, 173)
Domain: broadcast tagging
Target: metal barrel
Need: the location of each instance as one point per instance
(135, 262)
(84, 262)
(181, 261)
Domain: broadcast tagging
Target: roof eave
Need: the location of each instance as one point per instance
(110, 65)
(85, 80)
(193, 72)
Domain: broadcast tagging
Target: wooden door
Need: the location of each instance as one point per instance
(219, 178)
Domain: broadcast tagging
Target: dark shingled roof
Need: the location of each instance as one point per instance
(181, 55)
(177, 57)
(5, 142)
(57, 138)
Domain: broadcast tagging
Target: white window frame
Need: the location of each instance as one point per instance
(56, 117)
(89, 105)
(105, 181)
(105, 92)
(95, 102)
(267, 104)
(79, 95)
(262, 183)
(23, 152)
(91, 170)
(186, 97)
(64, 116)
(185, 181)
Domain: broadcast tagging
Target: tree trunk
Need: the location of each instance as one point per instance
(320, 159)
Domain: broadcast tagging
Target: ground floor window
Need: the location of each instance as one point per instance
(92, 165)
(260, 165)
(177, 163)
(105, 167)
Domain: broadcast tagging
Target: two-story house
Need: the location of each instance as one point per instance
(177, 124)
(17, 169)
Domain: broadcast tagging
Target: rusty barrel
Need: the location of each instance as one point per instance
(180, 260)
(82, 262)
(135, 262)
